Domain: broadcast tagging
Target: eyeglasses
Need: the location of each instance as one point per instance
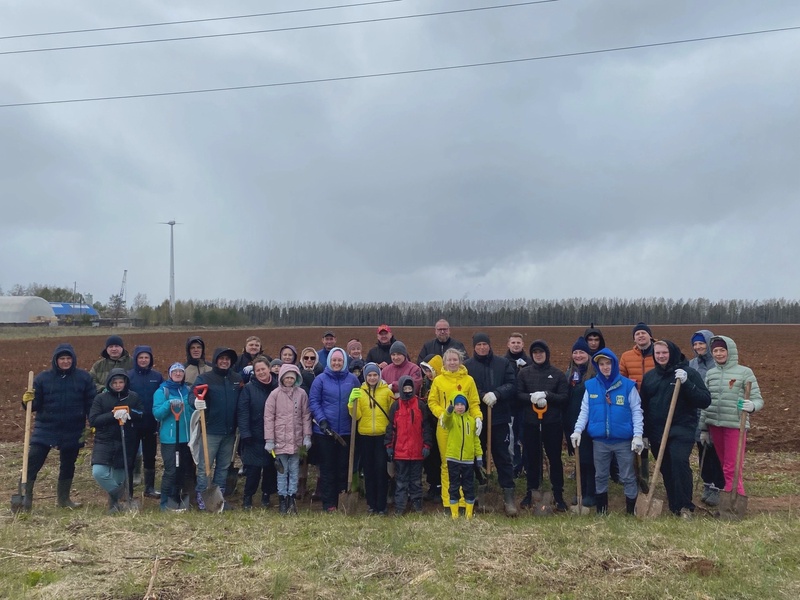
(308, 358)
(442, 329)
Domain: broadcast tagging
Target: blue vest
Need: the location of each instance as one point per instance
(610, 417)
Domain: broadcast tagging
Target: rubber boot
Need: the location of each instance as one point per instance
(27, 504)
(292, 502)
(602, 503)
(113, 499)
(470, 508)
(282, 505)
(454, 510)
(150, 484)
(137, 470)
(630, 505)
(64, 486)
(508, 502)
(317, 494)
(247, 502)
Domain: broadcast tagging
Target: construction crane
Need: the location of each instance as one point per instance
(119, 304)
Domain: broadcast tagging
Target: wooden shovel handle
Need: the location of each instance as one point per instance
(737, 475)
(352, 456)
(205, 442)
(663, 447)
(488, 451)
(27, 443)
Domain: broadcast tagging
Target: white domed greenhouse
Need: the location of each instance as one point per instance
(26, 310)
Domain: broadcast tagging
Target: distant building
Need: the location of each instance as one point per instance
(26, 310)
(69, 313)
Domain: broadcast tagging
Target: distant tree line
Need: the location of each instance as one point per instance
(510, 312)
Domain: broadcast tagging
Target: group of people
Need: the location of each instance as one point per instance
(446, 414)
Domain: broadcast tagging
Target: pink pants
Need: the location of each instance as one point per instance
(726, 441)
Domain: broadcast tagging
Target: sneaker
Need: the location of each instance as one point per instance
(199, 499)
(561, 506)
(686, 514)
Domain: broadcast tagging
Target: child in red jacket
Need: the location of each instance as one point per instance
(408, 442)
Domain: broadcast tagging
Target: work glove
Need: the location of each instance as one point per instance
(269, 446)
(355, 394)
(426, 452)
(479, 462)
(28, 396)
(490, 399)
(176, 405)
(478, 426)
(323, 425)
(539, 399)
(521, 362)
(247, 371)
(121, 415)
(746, 405)
(575, 438)
(680, 375)
(450, 409)
(390, 453)
(307, 442)
(705, 438)
(637, 444)
(199, 404)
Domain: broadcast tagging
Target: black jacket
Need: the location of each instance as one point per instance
(657, 388)
(61, 402)
(542, 378)
(107, 448)
(436, 347)
(379, 353)
(512, 358)
(224, 387)
(251, 420)
(494, 374)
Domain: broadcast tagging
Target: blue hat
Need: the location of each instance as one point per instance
(581, 344)
(460, 399)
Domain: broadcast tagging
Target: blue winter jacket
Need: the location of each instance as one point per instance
(611, 410)
(145, 382)
(329, 395)
(222, 399)
(169, 390)
(62, 401)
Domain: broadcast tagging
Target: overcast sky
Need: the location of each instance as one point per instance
(670, 171)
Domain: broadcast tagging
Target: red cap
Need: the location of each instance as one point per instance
(384, 327)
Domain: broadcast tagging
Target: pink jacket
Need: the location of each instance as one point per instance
(287, 419)
(392, 374)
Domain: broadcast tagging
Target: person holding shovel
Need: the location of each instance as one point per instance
(220, 403)
(115, 409)
(113, 356)
(172, 409)
(145, 381)
(579, 371)
(611, 412)
(62, 397)
(657, 388)
(720, 421)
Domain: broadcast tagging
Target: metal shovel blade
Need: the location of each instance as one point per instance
(213, 499)
(648, 507)
(18, 499)
(541, 503)
(579, 509)
(178, 506)
(732, 506)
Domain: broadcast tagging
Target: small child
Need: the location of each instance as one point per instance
(275, 366)
(287, 427)
(409, 438)
(172, 399)
(463, 453)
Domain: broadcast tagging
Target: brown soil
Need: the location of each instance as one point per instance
(761, 347)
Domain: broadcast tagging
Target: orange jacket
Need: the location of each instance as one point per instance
(633, 365)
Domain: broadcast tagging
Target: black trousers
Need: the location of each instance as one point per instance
(266, 475)
(433, 464)
(376, 478)
(461, 476)
(501, 455)
(38, 453)
(333, 460)
(677, 473)
(408, 479)
(552, 434)
(174, 477)
(711, 468)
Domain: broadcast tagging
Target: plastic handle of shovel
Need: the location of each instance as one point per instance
(539, 411)
(125, 408)
(201, 390)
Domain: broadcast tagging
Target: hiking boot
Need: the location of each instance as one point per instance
(64, 487)
(527, 501)
(602, 503)
(282, 505)
(27, 502)
(509, 506)
(417, 504)
(199, 499)
(265, 503)
(150, 484)
(713, 496)
(630, 505)
(247, 502)
(686, 514)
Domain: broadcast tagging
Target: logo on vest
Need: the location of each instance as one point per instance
(620, 400)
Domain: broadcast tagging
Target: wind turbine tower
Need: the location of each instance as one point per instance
(171, 268)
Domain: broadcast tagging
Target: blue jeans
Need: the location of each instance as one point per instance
(287, 481)
(220, 450)
(108, 477)
(603, 452)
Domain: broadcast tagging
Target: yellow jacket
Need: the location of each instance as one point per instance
(371, 419)
(447, 385)
(463, 444)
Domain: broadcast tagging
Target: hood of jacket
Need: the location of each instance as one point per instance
(733, 353)
(290, 347)
(676, 358)
(189, 342)
(64, 349)
(289, 368)
(543, 345)
(309, 350)
(141, 350)
(614, 375)
(592, 330)
(707, 335)
(434, 363)
(328, 361)
(117, 372)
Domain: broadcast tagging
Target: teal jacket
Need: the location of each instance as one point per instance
(169, 390)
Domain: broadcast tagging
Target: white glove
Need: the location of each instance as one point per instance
(247, 371)
(521, 362)
(575, 438)
(489, 399)
(176, 405)
(307, 442)
(269, 446)
(199, 404)
(478, 425)
(637, 444)
(705, 438)
(680, 374)
(539, 399)
(121, 415)
(747, 406)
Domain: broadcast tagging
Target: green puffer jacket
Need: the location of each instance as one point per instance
(726, 384)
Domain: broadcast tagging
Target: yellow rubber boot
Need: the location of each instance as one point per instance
(454, 510)
(470, 507)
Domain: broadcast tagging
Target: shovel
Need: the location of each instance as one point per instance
(18, 499)
(648, 507)
(541, 502)
(488, 452)
(733, 505)
(347, 499)
(232, 478)
(278, 463)
(580, 509)
(212, 496)
(126, 501)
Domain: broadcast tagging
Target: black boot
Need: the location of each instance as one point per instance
(150, 484)
(602, 503)
(558, 498)
(509, 506)
(113, 499)
(292, 505)
(630, 505)
(247, 502)
(27, 503)
(282, 505)
(527, 501)
(265, 500)
(64, 486)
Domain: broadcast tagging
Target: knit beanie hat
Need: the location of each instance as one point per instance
(176, 367)
(698, 337)
(581, 344)
(114, 340)
(642, 327)
(276, 362)
(480, 337)
(398, 347)
(719, 343)
(371, 368)
(353, 345)
(460, 399)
